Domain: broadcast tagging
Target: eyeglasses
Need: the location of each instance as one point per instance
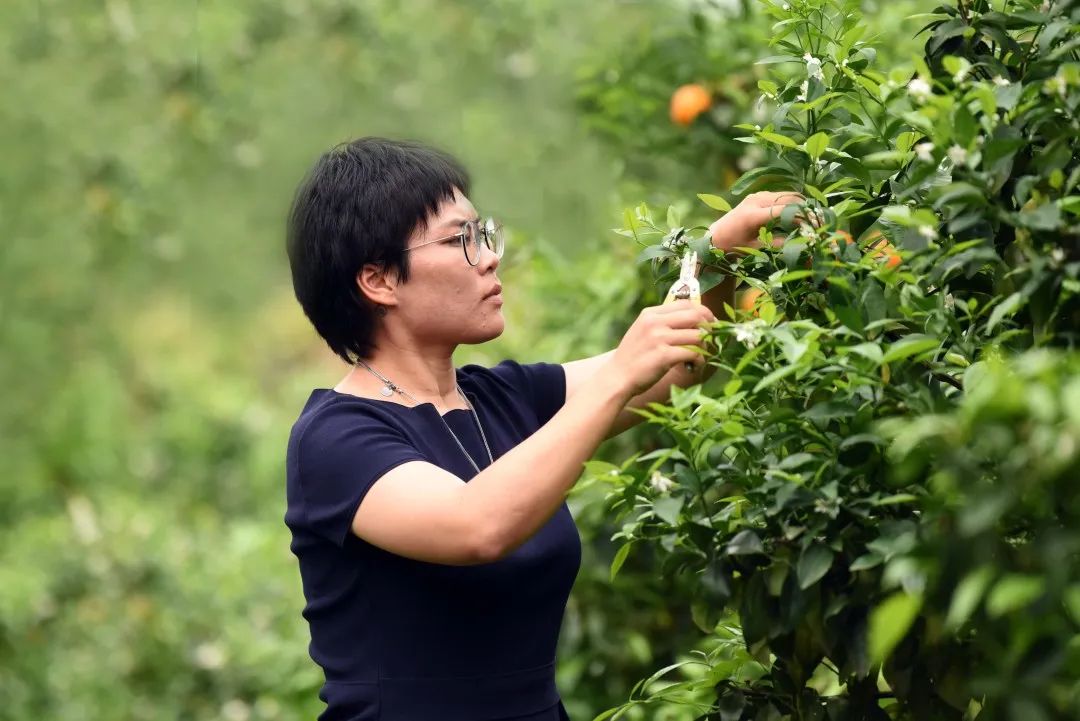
(473, 235)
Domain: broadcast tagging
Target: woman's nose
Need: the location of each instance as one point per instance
(488, 259)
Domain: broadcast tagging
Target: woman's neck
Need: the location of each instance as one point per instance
(426, 379)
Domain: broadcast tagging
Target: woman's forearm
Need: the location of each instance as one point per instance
(515, 496)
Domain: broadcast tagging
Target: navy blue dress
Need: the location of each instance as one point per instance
(405, 640)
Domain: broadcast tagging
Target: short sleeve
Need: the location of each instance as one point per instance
(338, 459)
(543, 384)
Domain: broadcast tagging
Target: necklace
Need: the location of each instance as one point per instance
(388, 389)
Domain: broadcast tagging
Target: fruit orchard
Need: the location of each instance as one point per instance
(876, 494)
(868, 512)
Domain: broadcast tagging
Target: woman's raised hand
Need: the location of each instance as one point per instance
(661, 337)
(739, 228)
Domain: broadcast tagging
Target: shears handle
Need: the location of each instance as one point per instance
(680, 291)
(684, 289)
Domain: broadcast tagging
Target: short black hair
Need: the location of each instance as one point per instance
(359, 204)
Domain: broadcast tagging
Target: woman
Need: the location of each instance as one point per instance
(426, 502)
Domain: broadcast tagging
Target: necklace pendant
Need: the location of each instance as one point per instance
(386, 391)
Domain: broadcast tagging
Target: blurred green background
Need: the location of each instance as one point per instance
(154, 357)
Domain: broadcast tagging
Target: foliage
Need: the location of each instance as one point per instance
(154, 357)
(624, 95)
(879, 478)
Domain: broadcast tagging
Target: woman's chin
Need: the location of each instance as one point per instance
(492, 329)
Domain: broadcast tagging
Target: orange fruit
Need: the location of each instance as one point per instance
(881, 249)
(688, 102)
(748, 297)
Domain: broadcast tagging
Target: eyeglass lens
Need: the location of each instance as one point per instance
(489, 234)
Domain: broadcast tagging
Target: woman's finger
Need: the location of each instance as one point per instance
(690, 318)
(767, 198)
(674, 306)
(686, 336)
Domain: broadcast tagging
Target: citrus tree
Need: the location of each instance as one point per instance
(668, 101)
(876, 493)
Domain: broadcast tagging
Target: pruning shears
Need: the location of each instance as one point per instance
(686, 287)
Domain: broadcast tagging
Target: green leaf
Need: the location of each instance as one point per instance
(795, 460)
(895, 499)
(816, 144)
(750, 177)
(967, 595)
(620, 558)
(667, 508)
(1013, 592)
(867, 561)
(1044, 217)
(778, 139)
(715, 202)
(745, 543)
(862, 438)
(772, 59)
(1007, 307)
(1072, 602)
(793, 275)
(814, 563)
(1070, 204)
(775, 376)
(816, 194)
(910, 346)
(674, 217)
(889, 623)
(870, 351)
(655, 251)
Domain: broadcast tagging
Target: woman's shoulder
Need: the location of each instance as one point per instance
(328, 413)
(540, 386)
(510, 372)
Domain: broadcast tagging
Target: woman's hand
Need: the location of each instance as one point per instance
(657, 341)
(739, 228)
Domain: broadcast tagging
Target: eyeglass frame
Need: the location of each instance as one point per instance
(496, 227)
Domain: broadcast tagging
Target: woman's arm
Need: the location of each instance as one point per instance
(737, 229)
(421, 511)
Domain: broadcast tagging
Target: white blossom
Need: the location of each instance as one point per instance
(961, 73)
(925, 151)
(786, 7)
(1057, 84)
(1001, 82)
(209, 656)
(751, 158)
(521, 64)
(919, 89)
(813, 67)
(1058, 255)
(843, 63)
(928, 232)
(748, 333)
(661, 483)
(950, 301)
(804, 91)
(83, 519)
(958, 155)
(236, 710)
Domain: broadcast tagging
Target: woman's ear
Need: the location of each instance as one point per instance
(377, 285)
